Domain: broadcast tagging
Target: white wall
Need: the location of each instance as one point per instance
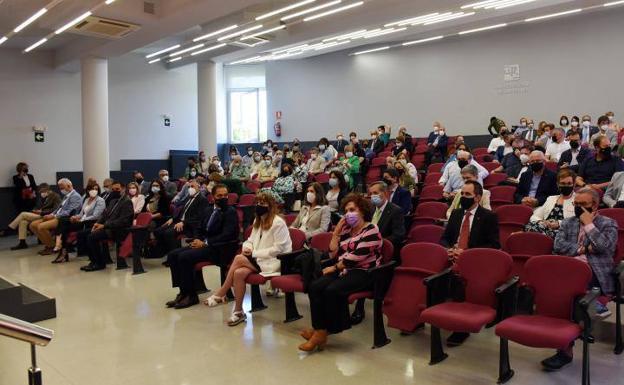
(572, 65)
(32, 92)
(139, 94)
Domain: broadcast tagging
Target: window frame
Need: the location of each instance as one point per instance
(230, 134)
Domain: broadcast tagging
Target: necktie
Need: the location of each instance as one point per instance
(464, 233)
(376, 216)
(530, 136)
(211, 220)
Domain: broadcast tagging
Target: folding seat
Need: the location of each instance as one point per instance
(382, 276)
(373, 175)
(407, 295)
(480, 279)
(226, 251)
(428, 213)
(384, 154)
(268, 184)
(501, 195)
(421, 149)
(558, 286)
(552, 166)
(490, 166)
(435, 167)
(483, 158)
(418, 160)
(523, 246)
(425, 233)
(322, 178)
(617, 215)
(298, 239)
(290, 218)
(379, 161)
(245, 209)
(479, 151)
(253, 186)
(432, 178)
(512, 218)
(232, 199)
(431, 193)
(494, 179)
(133, 243)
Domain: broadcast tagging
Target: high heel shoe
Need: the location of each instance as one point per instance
(214, 300)
(307, 334)
(63, 256)
(317, 341)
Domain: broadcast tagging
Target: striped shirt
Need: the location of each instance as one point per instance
(361, 251)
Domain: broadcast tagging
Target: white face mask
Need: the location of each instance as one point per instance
(165, 178)
(250, 153)
(574, 124)
(604, 127)
(257, 159)
(586, 123)
(564, 122)
(192, 191)
(311, 197)
(322, 146)
(267, 162)
(93, 193)
(348, 154)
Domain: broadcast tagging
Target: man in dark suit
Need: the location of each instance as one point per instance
(219, 226)
(397, 194)
(537, 183)
(437, 143)
(470, 226)
(375, 146)
(574, 157)
(187, 220)
(114, 224)
(387, 216)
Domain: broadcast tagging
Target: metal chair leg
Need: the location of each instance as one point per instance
(585, 376)
(292, 313)
(256, 299)
(437, 352)
(619, 345)
(504, 369)
(380, 339)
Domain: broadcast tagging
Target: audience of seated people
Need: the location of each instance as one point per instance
(451, 177)
(469, 173)
(314, 216)
(547, 218)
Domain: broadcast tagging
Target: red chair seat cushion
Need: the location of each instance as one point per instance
(201, 265)
(539, 331)
(288, 283)
(256, 279)
(459, 316)
(359, 295)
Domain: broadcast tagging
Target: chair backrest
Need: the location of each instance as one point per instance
(490, 165)
(322, 178)
(253, 186)
(529, 244)
(290, 218)
(143, 219)
(556, 281)
(435, 167)
(387, 251)
(432, 178)
(378, 161)
(232, 199)
(384, 154)
(268, 184)
(247, 200)
(483, 271)
(425, 233)
(502, 193)
(247, 232)
(494, 179)
(431, 210)
(298, 238)
(421, 149)
(424, 255)
(431, 193)
(615, 214)
(519, 214)
(321, 241)
(479, 151)
(552, 166)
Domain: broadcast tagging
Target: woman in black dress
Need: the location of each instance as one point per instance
(25, 188)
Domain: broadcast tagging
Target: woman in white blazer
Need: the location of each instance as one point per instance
(547, 218)
(269, 238)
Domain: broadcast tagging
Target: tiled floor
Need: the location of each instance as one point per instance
(113, 328)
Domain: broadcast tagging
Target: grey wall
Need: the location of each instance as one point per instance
(32, 93)
(572, 65)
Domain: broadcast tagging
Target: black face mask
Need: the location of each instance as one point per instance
(606, 152)
(574, 144)
(388, 181)
(261, 210)
(578, 211)
(139, 180)
(114, 194)
(566, 190)
(286, 171)
(466, 202)
(462, 163)
(537, 167)
(222, 202)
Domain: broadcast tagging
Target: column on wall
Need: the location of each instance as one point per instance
(95, 148)
(209, 75)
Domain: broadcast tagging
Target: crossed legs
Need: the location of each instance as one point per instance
(237, 274)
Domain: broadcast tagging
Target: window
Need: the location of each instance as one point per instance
(247, 120)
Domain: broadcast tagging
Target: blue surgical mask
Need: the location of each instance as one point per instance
(333, 182)
(376, 200)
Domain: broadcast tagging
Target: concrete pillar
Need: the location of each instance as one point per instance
(95, 146)
(209, 77)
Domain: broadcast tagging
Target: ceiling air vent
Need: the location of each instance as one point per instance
(149, 7)
(252, 42)
(105, 28)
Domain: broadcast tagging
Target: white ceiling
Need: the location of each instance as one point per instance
(179, 21)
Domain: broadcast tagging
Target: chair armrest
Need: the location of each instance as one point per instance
(507, 298)
(438, 287)
(583, 311)
(290, 255)
(383, 267)
(288, 259)
(433, 278)
(590, 297)
(382, 276)
(507, 285)
(619, 269)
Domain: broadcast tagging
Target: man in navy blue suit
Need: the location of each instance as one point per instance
(537, 183)
(398, 195)
(437, 143)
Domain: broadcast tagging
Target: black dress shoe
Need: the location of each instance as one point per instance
(176, 300)
(20, 246)
(456, 339)
(93, 268)
(556, 362)
(187, 301)
(86, 266)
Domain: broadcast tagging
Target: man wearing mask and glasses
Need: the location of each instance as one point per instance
(536, 184)
(596, 172)
(574, 157)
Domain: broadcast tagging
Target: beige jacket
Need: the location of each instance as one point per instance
(317, 221)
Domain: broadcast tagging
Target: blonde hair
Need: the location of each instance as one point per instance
(267, 222)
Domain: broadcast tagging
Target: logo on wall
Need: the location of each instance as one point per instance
(512, 72)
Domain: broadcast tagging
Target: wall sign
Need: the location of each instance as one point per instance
(39, 137)
(167, 122)
(512, 72)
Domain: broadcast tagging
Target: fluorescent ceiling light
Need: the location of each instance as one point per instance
(285, 9)
(554, 15)
(325, 46)
(310, 10)
(613, 3)
(246, 60)
(483, 29)
(297, 48)
(215, 33)
(163, 51)
(3, 39)
(109, 2)
(423, 40)
(73, 22)
(372, 50)
(30, 20)
(263, 32)
(509, 3)
(346, 35)
(423, 20)
(244, 31)
(209, 49)
(384, 32)
(175, 59)
(37, 44)
(332, 11)
(449, 18)
(185, 50)
(153, 61)
(411, 20)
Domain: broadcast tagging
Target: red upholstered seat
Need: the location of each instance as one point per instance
(253, 186)
(425, 233)
(431, 193)
(256, 279)
(435, 168)
(427, 213)
(618, 215)
(232, 199)
(428, 256)
(490, 166)
(432, 178)
(378, 161)
(493, 180)
(512, 218)
(246, 200)
(321, 241)
(459, 316)
(290, 283)
(322, 178)
(523, 246)
(538, 331)
(479, 151)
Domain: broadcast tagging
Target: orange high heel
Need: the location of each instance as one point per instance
(317, 341)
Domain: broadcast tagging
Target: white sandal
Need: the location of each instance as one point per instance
(236, 318)
(214, 301)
